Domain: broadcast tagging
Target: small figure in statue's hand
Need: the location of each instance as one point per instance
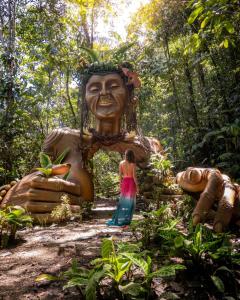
(215, 187)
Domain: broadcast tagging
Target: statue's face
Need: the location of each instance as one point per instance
(106, 96)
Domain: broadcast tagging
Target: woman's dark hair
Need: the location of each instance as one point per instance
(130, 157)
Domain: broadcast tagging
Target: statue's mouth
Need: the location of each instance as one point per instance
(105, 101)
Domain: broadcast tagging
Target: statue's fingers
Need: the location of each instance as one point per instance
(55, 184)
(225, 208)
(212, 193)
(46, 196)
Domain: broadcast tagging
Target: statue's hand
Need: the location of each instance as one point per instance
(40, 195)
(215, 187)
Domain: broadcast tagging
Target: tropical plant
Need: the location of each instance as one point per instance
(160, 165)
(48, 167)
(157, 226)
(118, 265)
(211, 257)
(12, 218)
(199, 243)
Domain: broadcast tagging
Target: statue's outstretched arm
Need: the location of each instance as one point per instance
(40, 195)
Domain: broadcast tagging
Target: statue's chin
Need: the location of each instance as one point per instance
(107, 112)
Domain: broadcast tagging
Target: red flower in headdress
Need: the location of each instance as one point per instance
(132, 77)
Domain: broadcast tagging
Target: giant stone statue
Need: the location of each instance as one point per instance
(108, 94)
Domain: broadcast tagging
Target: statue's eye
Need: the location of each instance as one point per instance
(94, 89)
(114, 86)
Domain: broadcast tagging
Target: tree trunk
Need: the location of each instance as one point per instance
(172, 79)
(191, 94)
(69, 98)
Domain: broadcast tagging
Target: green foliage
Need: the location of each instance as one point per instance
(207, 255)
(106, 174)
(201, 242)
(62, 212)
(45, 160)
(118, 265)
(190, 79)
(215, 19)
(158, 226)
(160, 165)
(47, 164)
(12, 218)
(61, 157)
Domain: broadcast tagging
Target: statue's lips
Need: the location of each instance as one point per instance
(105, 101)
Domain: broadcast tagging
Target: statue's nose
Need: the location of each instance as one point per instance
(104, 90)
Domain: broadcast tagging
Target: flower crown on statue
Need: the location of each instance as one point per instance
(124, 69)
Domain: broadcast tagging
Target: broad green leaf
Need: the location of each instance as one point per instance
(61, 157)
(107, 248)
(93, 281)
(195, 14)
(47, 277)
(224, 268)
(178, 241)
(205, 22)
(218, 283)
(46, 172)
(125, 247)
(225, 43)
(229, 27)
(99, 261)
(138, 261)
(149, 262)
(78, 281)
(132, 288)
(122, 269)
(167, 271)
(45, 160)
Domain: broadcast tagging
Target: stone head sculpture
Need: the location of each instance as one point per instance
(107, 92)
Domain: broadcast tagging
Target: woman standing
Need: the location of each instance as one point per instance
(129, 188)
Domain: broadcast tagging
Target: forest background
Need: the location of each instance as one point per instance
(187, 54)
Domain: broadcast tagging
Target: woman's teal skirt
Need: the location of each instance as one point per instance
(126, 205)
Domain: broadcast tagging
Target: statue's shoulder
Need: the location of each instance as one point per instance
(58, 134)
(60, 139)
(151, 144)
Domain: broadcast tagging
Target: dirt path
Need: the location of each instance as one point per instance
(50, 250)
